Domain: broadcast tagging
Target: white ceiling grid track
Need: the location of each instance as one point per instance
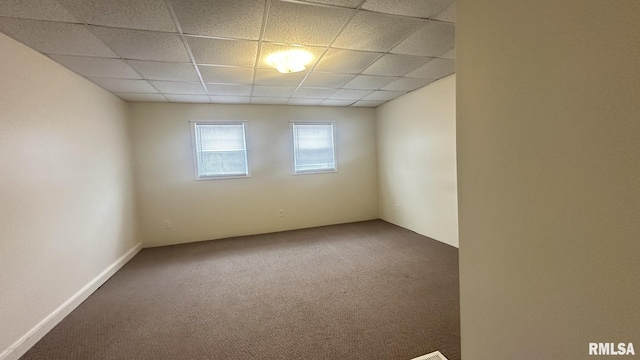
(365, 52)
(433, 356)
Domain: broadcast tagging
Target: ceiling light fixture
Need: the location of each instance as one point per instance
(289, 61)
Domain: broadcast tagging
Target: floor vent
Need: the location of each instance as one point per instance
(433, 356)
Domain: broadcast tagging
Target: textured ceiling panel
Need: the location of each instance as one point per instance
(229, 90)
(138, 14)
(267, 49)
(368, 103)
(239, 19)
(179, 88)
(346, 61)
(327, 80)
(369, 82)
(395, 65)
(433, 39)
(295, 23)
(313, 93)
(382, 95)
(141, 97)
(294, 101)
(274, 78)
(223, 52)
(124, 85)
(269, 100)
(344, 3)
(449, 14)
(337, 102)
(407, 84)
(154, 70)
(434, 69)
(143, 45)
(451, 54)
(97, 67)
(347, 94)
(230, 99)
(416, 8)
(273, 91)
(55, 38)
(36, 9)
(225, 74)
(189, 98)
(375, 32)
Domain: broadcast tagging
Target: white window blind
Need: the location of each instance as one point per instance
(220, 150)
(314, 147)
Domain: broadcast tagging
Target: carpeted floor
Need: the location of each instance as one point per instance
(367, 290)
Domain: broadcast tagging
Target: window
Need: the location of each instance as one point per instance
(220, 150)
(313, 148)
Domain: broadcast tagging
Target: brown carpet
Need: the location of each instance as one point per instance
(367, 290)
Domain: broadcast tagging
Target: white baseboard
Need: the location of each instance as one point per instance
(29, 339)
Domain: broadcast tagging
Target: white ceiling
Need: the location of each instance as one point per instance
(366, 52)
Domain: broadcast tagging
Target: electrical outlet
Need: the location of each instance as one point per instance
(397, 207)
(281, 212)
(167, 224)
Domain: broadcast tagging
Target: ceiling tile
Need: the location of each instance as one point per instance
(141, 97)
(395, 65)
(230, 99)
(139, 14)
(368, 103)
(344, 3)
(272, 91)
(433, 39)
(188, 98)
(229, 90)
(223, 52)
(269, 100)
(226, 74)
(267, 49)
(179, 88)
(144, 45)
(346, 94)
(274, 78)
(415, 8)
(328, 80)
(296, 23)
(407, 84)
(382, 95)
(369, 82)
(36, 9)
(346, 61)
(337, 102)
(434, 69)
(375, 32)
(451, 54)
(313, 93)
(295, 101)
(449, 14)
(97, 67)
(55, 38)
(124, 85)
(239, 19)
(155, 70)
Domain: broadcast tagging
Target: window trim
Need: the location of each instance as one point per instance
(293, 146)
(194, 148)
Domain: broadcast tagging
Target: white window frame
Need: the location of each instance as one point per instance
(194, 147)
(335, 147)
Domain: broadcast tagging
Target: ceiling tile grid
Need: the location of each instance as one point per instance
(364, 52)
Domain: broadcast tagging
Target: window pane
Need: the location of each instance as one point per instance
(313, 147)
(220, 150)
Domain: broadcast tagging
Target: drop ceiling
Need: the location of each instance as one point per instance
(365, 53)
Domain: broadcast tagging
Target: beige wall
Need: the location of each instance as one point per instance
(417, 161)
(66, 190)
(548, 168)
(211, 209)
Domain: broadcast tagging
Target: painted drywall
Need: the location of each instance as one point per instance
(416, 141)
(66, 190)
(212, 209)
(548, 111)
